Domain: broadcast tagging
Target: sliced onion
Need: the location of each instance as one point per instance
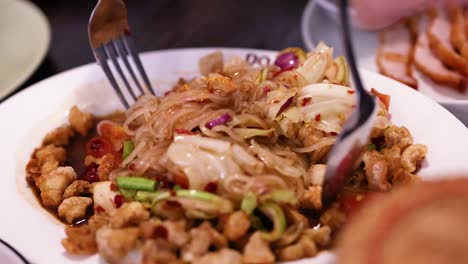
(223, 119)
(287, 61)
(285, 105)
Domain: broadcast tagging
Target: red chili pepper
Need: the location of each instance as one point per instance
(119, 200)
(317, 117)
(211, 187)
(266, 89)
(384, 98)
(183, 131)
(351, 91)
(306, 101)
(98, 147)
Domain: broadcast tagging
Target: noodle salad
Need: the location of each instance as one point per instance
(227, 167)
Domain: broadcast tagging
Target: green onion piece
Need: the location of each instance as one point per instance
(128, 147)
(249, 203)
(281, 197)
(152, 197)
(177, 187)
(276, 215)
(262, 76)
(136, 183)
(224, 205)
(128, 194)
(371, 147)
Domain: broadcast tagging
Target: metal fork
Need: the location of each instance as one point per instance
(110, 38)
(346, 153)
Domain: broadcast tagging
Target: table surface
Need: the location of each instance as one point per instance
(167, 24)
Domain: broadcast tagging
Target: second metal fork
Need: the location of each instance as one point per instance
(110, 38)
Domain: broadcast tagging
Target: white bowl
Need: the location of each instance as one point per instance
(30, 114)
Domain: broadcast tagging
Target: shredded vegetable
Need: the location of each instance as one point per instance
(136, 183)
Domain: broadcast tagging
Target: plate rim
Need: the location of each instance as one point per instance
(37, 60)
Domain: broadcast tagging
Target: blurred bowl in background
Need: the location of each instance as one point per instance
(331, 6)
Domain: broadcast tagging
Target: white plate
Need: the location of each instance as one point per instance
(25, 121)
(319, 25)
(25, 37)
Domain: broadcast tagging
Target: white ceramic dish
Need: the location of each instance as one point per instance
(318, 25)
(332, 9)
(28, 115)
(25, 37)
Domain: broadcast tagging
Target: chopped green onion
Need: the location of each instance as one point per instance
(136, 183)
(177, 187)
(152, 197)
(276, 215)
(281, 197)
(128, 147)
(371, 147)
(249, 203)
(262, 76)
(224, 205)
(128, 194)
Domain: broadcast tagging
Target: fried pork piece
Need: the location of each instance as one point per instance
(115, 244)
(394, 54)
(201, 238)
(80, 121)
(53, 185)
(304, 248)
(78, 188)
(131, 213)
(212, 62)
(80, 240)
(59, 136)
(438, 35)
(258, 251)
(222, 256)
(457, 31)
(236, 226)
(158, 251)
(74, 208)
(428, 64)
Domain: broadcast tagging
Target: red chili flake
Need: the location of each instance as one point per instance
(160, 232)
(211, 187)
(317, 117)
(119, 200)
(114, 187)
(183, 131)
(351, 91)
(99, 209)
(306, 101)
(211, 90)
(333, 133)
(172, 193)
(181, 180)
(98, 147)
(172, 204)
(91, 173)
(266, 89)
(132, 167)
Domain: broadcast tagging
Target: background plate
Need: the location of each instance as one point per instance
(25, 37)
(320, 25)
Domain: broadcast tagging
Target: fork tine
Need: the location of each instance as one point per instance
(101, 57)
(130, 45)
(112, 53)
(120, 46)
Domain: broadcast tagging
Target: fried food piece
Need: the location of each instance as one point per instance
(80, 121)
(421, 223)
(74, 208)
(428, 64)
(53, 185)
(394, 54)
(457, 31)
(59, 136)
(438, 35)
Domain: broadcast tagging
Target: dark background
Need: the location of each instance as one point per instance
(166, 24)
